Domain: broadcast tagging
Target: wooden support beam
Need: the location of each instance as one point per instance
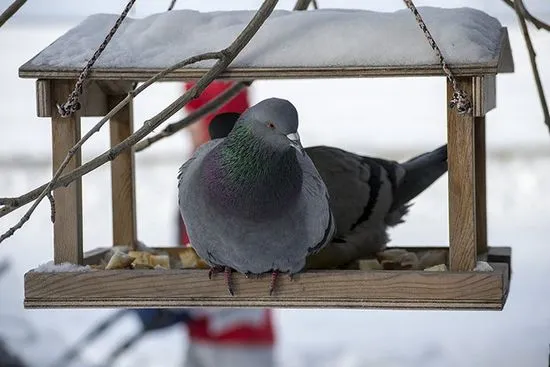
(462, 204)
(67, 230)
(123, 177)
(93, 100)
(484, 94)
(480, 156)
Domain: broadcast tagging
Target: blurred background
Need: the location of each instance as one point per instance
(368, 116)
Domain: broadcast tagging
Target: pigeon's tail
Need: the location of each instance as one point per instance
(420, 172)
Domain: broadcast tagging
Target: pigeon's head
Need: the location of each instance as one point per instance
(275, 121)
(222, 124)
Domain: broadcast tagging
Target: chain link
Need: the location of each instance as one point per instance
(72, 104)
(460, 98)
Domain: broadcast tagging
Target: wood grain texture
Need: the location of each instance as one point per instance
(312, 289)
(43, 98)
(462, 204)
(484, 94)
(123, 177)
(480, 193)
(242, 74)
(93, 100)
(67, 229)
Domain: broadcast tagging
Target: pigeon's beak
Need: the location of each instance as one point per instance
(295, 141)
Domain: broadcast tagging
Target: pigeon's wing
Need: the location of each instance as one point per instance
(361, 188)
(368, 195)
(189, 195)
(320, 226)
(197, 156)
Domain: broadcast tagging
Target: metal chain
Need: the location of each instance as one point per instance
(460, 98)
(72, 104)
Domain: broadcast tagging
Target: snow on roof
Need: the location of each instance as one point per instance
(316, 38)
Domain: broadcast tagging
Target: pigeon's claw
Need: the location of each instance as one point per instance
(274, 275)
(214, 270)
(229, 280)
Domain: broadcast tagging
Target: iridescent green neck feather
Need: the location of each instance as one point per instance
(246, 177)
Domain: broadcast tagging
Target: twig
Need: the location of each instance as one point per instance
(520, 11)
(172, 4)
(17, 202)
(301, 4)
(11, 10)
(536, 22)
(212, 105)
(12, 203)
(70, 354)
(227, 56)
(52, 206)
(4, 266)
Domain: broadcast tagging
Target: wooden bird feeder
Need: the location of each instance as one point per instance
(458, 288)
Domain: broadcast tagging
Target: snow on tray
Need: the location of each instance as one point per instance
(50, 267)
(320, 38)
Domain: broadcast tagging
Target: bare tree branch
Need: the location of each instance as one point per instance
(301, 4)
(11, 204)
(4, 266)
(172, 4)
(211, 106)
(536, 22)
(11, 10)
(52, 206)
(227, 56)
(520, 11)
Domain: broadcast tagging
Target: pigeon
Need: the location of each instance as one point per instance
(221, 125)
(367, 195)
(254, 202)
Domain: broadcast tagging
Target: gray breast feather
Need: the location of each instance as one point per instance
(255, 246)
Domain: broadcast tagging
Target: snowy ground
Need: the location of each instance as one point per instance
(381, 116)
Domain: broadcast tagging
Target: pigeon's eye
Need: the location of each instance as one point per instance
(271, 125)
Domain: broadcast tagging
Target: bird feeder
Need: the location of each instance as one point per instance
(458, 288)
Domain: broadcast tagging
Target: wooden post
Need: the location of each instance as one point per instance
(480, 184)
(123, 177)
(462, 183)
(67, 229)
